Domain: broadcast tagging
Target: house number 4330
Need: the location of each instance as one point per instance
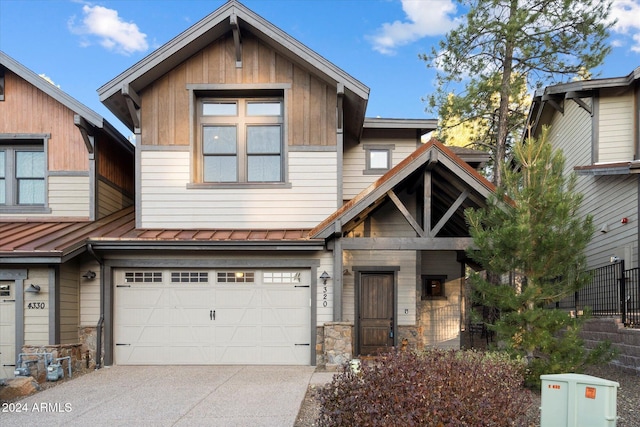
(35, 306)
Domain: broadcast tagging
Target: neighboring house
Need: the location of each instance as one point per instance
(596, 123)
(273, 223)
(63, 169)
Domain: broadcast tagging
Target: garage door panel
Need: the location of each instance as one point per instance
(284, 316)
(212, 323)
(287, 297)
(237, 297)
(240, 335)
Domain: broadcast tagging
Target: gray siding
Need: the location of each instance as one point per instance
(90, 296)
(111, 199)
(615, 140)
(440, 319)
(607, 198)
(354, 180)
(166, 202)
(406, 286)
(69, 304)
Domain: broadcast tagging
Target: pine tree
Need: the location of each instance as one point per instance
(533, 227)
(505, 46)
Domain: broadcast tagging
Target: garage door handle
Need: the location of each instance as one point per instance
(212, 315)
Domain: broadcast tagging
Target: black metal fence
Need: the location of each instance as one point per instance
(612, 292)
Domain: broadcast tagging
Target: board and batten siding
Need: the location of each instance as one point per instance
(354, 162)
(69, 304)
(36, 319)
(406, 286)
(166, 202)
(615, 139)
(28, 110)
(310, 104)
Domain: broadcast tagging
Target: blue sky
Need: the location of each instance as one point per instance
(81, 45)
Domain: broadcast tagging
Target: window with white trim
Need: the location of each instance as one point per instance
(22, 173)
(377, 158)
(240, 140)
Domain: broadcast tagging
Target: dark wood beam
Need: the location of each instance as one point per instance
(407, 243)
(133, 104)
(576, 97)
(405, 212)
(86, 130)
(452, 209)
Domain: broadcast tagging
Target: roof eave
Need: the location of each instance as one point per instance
(202, 33)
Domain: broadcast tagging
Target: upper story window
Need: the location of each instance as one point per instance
(240, 140)
(22, 174)
(377, 158)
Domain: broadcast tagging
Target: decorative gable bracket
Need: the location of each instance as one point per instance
(236, 39)
(577, 98)
(133, 105)
(86, 130)
(555, 101)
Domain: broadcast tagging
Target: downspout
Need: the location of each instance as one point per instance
(101, 319)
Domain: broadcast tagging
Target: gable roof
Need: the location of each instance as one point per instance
(432, 153)
(210, 29)
(62, 97)
(545, 100)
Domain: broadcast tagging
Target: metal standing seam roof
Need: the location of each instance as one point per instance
(59, 238)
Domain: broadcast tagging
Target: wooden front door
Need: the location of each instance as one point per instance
(376, 316)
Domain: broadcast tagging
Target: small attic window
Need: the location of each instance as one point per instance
(377, 159)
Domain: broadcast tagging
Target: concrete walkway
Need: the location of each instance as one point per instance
(170, 396)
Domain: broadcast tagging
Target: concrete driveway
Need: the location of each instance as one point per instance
(170, 396)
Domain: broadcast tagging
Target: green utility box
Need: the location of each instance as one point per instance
(575, 400)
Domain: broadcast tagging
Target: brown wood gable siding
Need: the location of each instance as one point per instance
(115, 164)
(27, 109)
(310, 108)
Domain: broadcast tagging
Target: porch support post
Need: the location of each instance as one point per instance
(337, 275)
(426, 222)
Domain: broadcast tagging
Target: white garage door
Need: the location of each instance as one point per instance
(212, 317)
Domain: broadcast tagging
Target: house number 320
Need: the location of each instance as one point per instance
(324, 297)
(35, 306)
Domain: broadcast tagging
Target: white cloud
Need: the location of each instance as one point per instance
(423, 18)
(627, 14)
(112, 32)
(48, 79)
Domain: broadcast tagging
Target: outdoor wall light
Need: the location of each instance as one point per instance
(89, 275)
(325, 276)
(33, 289)
(346, 272)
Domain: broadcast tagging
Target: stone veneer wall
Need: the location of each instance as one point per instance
(79, 356)
(88, 340)
(626, 340)
(334, 344)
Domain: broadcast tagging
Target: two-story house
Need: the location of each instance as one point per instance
(64, 171)
(596, 123)
(273, 222)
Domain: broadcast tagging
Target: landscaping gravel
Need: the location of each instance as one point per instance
(628, 399)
